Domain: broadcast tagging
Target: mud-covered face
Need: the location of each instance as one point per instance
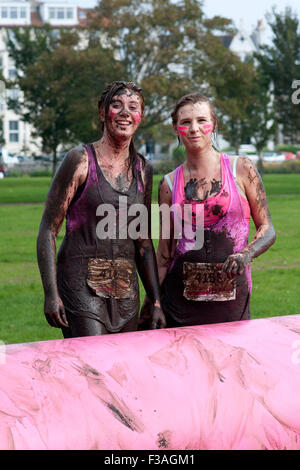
(124, 113)
(195, 125)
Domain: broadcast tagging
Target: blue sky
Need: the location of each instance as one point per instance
(248, 11)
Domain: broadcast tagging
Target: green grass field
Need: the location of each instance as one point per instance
(276, 274)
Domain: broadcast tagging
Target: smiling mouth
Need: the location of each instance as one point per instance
(123, 123)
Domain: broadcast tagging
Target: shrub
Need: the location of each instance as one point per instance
(290, 166)
(287, 148)
(164, 166)
(14, 174)
(38, 173)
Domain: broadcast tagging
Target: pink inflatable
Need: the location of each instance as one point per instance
(227, 386)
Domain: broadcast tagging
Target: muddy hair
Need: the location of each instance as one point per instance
(194, 98)
(105, 100)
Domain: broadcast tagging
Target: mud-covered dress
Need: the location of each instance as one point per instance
(97, 278)
(195, 291)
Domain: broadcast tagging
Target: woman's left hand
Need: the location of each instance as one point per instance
(151, 317)
(236, 263)
(158, 318)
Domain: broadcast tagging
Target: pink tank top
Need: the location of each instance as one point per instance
(215, 207)
(232, 217)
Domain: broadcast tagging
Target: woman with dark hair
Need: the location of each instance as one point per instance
(93, 289)
(204, 266)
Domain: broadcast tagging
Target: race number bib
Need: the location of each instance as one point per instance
(206, 282)
(111, 278)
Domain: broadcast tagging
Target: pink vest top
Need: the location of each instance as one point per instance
(227, 211)
(215, 207)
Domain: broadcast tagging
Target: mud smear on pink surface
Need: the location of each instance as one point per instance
(226, 386)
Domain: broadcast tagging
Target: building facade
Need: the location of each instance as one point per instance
(17, 134)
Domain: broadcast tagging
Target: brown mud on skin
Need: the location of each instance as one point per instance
(190, 190)
(255, 179)
(118, 175)
(224, 193)
(215, 186)
(192, 186)
(121, 183)
(265, 235)
(127, 91)
(71, 176)
(148, 181)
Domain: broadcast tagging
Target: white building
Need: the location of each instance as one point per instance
(24, 13)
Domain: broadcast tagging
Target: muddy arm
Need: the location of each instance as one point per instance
(151, 313)
(165, 250)
(68, 178)
(250, 181)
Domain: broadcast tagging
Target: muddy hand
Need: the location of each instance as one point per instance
(145, 318)
(235, 264)
(55, 312)
(158, 318)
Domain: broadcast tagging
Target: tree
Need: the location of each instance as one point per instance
(2, 140)
(281, 63)
(26, 45)
(168, 48)
(2, 100)
(230, 85)
(259, 123)
(61, 85)
(157, 42)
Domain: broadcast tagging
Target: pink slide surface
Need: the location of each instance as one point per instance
(226, 386)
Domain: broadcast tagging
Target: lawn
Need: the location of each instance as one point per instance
(276, 273)
(25, 189)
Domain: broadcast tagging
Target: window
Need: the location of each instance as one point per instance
(12, 73)
(60, 13)
(13, 131)
(70, 13)
(4, 12)
(13, 12)
(52, 13)
(13, 93)
(22, 12)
